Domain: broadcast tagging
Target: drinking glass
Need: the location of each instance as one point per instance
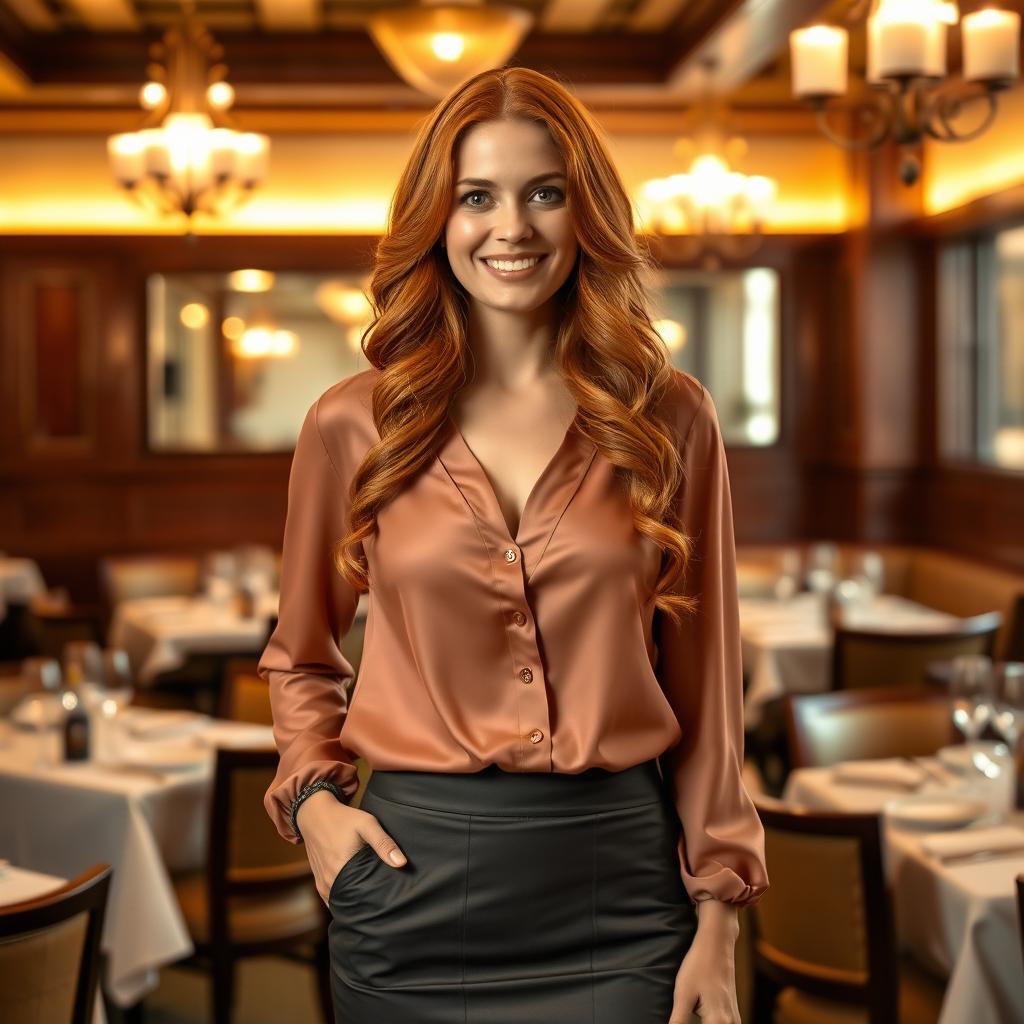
(871, 569)
(972, 688)
(1008, 718)
(117, 695)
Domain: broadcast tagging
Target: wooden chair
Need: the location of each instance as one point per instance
(245, 696)
(50, 952)
(868, 658)
(1020, 908)
(824, 728)
(824, 937)
(256, 895)
(127, 576)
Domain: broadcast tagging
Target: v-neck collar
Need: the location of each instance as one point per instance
(551, 493)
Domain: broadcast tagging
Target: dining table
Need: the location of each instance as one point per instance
(160, 632)
(787, 642)
(956, 915)
(18, 884)
(137, 808)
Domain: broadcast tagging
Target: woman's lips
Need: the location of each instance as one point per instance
(513, 275)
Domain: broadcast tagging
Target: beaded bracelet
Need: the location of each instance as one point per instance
(304, 794)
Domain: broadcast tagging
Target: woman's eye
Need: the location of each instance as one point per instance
(555, 195)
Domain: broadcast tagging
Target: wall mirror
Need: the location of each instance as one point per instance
(235, 359)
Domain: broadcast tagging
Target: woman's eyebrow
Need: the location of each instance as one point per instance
(484, 181)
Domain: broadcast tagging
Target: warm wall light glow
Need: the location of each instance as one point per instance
(233, 327)
(250, 280)
(152, 94)
(220, 95)
(343, 303)
(194, 315)
(672, 332)
(264, 343)
(447, 45)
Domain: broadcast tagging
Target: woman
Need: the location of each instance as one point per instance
(549, 694)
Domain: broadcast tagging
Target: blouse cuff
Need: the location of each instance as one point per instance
(725, 885)
(282, 802)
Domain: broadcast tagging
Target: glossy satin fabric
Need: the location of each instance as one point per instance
(541, 652)
(526, 897)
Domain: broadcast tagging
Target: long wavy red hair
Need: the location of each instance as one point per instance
(611, 357)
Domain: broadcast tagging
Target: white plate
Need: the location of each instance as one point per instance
(958, 756)
(934, 811)
(166, 757)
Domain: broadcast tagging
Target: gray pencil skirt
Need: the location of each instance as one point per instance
(528, 898)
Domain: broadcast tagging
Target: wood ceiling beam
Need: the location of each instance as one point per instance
(334, 58)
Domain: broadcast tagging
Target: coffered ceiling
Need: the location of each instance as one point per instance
(304, 56)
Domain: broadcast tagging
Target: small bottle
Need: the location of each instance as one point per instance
(76, 719)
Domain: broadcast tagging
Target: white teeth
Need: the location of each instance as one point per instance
(512, 264)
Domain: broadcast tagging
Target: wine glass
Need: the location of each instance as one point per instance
(117, 695)
(972, 687)
(871, 569)
(1008, 719)
(787, 583)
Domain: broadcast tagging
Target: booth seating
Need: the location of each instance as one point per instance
(943, 580)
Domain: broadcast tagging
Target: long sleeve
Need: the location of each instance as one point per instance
(700, 670)
(310, 680)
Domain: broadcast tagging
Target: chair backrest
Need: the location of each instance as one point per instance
(825, 728)
(869, 658)
(125, 577)
(245, 697)
(825, 925)
(245, 854)
(50, 950)
(1019, 880)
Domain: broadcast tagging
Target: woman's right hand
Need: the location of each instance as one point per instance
(334, 832)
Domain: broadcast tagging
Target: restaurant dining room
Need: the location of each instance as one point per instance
(225, 226)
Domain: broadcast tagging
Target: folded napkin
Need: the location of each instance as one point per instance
(975, 840)
(236, 734)
(891, 771)
(151, 724)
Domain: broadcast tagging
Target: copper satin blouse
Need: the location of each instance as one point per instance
(541, 652)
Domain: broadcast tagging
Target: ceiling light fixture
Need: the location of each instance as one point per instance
(437, 44)
(906, 68)
(188, 157)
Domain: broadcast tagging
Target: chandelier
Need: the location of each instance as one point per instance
(436, 44)
(906, 69)
(188, 157)
(722, 210)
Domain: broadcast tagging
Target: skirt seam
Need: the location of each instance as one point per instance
(593, 918)
(518, 978)
(465, 914)
(511, 817)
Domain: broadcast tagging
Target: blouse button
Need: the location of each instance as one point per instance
(518, 618)
(510, 555)
(526, 675)
(536, 736)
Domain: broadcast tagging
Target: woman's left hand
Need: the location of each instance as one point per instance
(706, 981)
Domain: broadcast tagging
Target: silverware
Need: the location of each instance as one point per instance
(131, 769)
(981, 855)
(933, 771)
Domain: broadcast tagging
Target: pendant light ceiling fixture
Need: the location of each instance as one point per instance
(188, 157)
(721, 210)
(437, 44)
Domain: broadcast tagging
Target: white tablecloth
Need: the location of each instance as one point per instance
(787, 645)
(959, 919)
(18, 884)
(63, 819)
(159, 633)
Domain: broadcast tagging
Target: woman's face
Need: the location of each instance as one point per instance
(510, 201)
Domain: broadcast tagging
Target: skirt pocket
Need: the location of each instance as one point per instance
(402, 926)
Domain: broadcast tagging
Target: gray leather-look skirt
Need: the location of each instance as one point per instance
(528, 898)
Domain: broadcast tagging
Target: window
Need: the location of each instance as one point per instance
(981, 349)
